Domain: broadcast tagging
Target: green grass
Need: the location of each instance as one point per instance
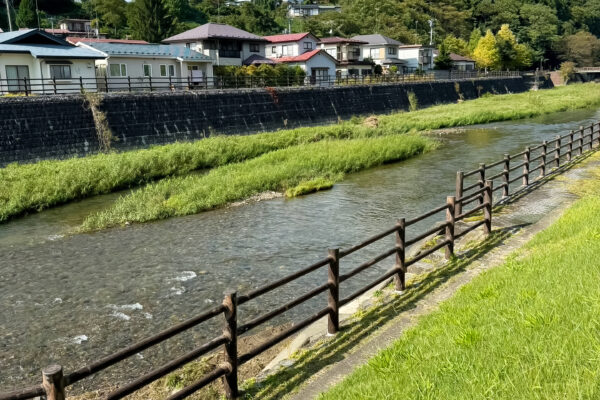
(496, 108)
(528, 329)
(35, 187)
(278, 171)
(308, 187)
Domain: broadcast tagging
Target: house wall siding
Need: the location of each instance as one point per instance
(50, 127)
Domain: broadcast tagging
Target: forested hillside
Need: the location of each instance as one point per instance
(549, 31)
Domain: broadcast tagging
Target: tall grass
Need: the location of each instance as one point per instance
(34, 187)
(524, 330)
(278, 170)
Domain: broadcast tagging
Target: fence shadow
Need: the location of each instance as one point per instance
(309, 362)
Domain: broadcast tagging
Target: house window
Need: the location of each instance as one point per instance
(147, 70)
(286, 50)
(17, 76)
(254, 48)
(118, 70)
(391, 51)
(273, 49)
(374, 53)
(307, 45)
(188, 45)
(167, 70)
(60, 71)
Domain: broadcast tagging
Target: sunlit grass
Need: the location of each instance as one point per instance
(275, 171)
(528, 329)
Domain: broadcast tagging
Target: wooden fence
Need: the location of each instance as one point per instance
(537, 162)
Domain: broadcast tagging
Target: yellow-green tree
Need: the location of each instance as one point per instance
(512, 55)
(486, 53)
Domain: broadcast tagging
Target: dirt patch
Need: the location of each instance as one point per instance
(371, 122)
(194, 371)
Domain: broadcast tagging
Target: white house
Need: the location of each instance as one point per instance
(416, 57)
(224, 44)
(126, 64)
(75, 28)
(381, 49)
(347, 52)
(290, 45)
(309, 10)
(33, 60)
(318, 65)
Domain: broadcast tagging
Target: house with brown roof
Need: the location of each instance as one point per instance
(224, 44)
(290, 45)
(348, 54)
(459, 63)
(318, 65)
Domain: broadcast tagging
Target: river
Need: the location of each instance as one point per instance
(72, 299)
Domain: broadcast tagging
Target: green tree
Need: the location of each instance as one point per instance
(486, 53)
(456, 45)
(27, 17)
(474, 40)
(582, 48)
(254, 19)
(149, 20)
(567, 71)
(443, 60)
(111, 13)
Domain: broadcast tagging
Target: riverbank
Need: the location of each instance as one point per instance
(526, 329)
(35, 187)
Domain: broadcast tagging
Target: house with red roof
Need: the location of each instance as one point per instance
(347, 52)
(290, 45)
(318, 65)
(224, 44)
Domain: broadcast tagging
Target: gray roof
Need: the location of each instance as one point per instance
(9, 43)
(377, 39)
(214, 31)
(149, 50)
(257, 59)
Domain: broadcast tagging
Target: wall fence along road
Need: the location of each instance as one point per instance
(28, 86)
(476, 192)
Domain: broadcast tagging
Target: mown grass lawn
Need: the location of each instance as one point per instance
(529, 329)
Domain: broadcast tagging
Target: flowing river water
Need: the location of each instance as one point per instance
(73, 299)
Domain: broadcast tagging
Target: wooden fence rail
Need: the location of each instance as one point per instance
(534, 159)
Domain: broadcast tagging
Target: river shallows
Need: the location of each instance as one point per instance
(71, 300)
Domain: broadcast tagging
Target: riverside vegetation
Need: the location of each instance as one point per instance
(526, 329)
(34, 187)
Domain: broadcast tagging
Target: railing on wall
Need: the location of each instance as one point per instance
(472, 198)
(28, 86)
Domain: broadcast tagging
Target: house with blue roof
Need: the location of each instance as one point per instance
(35, 61)
(128, 65)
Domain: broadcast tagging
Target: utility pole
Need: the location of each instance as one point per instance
(8, 13)
(430, 32)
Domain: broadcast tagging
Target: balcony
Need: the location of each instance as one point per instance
(230, 54)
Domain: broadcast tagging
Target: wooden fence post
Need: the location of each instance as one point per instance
(487, 211)
(570, 151)
(333, 325)
(557, 149)
(53, 382)
(481, 180)
(81, 84)
(580, 150)
(451, 202)
(399, 278)
(527, 158)
(460, 177)
(129, 83)
(597, 132)
(54, 85)
(230, 380)
(506, 175)
(544, 148)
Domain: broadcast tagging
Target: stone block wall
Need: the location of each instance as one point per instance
(53, 127)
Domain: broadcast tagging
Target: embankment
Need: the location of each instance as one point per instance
(54, 127)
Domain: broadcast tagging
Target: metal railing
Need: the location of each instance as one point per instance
(478, 197)
(28, 86)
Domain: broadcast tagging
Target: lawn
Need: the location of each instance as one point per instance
(528, 329)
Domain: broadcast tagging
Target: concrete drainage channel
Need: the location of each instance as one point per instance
(434, 278)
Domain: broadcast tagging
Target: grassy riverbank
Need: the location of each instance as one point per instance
(280, 170)
(34, 187)
(524, 330)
